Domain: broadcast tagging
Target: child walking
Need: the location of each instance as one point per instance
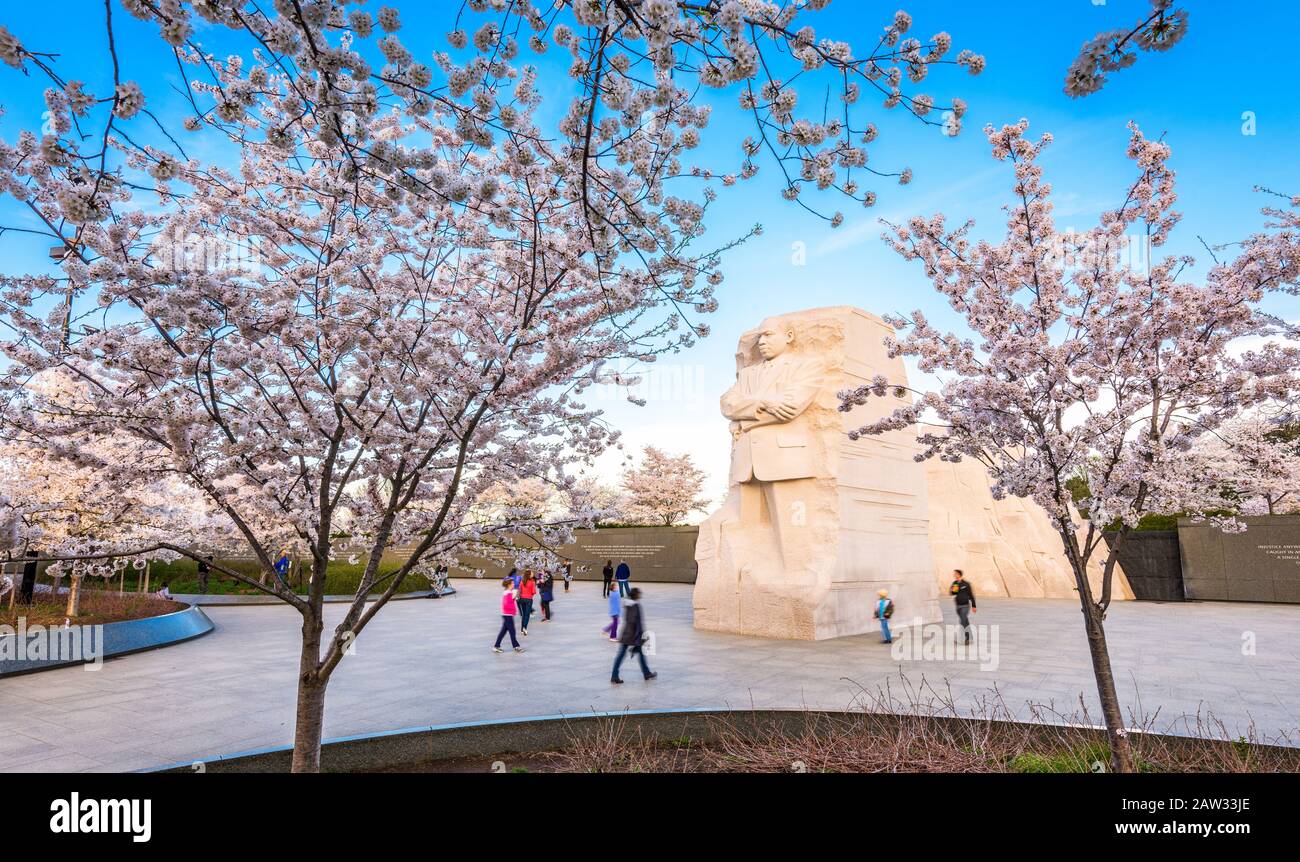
(615, 607)
(507, 616)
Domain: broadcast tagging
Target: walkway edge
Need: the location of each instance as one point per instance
(119, 639)
(492, 737)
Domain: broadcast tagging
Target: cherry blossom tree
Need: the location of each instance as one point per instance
(605, 502)
(530, 498)
(387, 285)
(1082, 365)
(92, 498)
(1258, 455)
(1116, 49)
(665, 488)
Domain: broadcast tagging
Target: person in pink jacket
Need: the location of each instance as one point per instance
(508, 609)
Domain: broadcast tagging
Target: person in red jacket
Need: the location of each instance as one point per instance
(527, 590)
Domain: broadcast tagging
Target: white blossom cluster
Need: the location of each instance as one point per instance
(1113, 50)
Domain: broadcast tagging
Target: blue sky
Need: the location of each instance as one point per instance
(1195, 94)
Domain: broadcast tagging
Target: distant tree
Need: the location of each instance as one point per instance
(91, 496)
(604, 502)
(664, 489)
(527, 499)
(1260, 460)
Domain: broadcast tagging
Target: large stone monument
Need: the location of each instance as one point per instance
(814, 524)
(1004, 547)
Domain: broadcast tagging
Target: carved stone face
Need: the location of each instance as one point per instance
(773, 340)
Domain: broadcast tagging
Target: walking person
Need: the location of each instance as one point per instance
(514, 577)
(615, 609)
(282, 567)
(608, 574)
(203, 570)
(508, 608)
(885, 610)
(545, 591)
(527, 590)
(964, 597)
(632, 637)
(622, 575)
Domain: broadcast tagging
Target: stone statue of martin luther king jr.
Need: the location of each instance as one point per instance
(774, 446)
(765, 406)
(813, 525)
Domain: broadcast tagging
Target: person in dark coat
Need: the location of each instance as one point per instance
(203, 571)
(632, 637)
(27, 586)
(608, 574)
(964, 597)
(622, 575)
(546, 592)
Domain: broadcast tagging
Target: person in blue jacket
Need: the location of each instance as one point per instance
(615, 608)
(282, 568)
(622, 574)
(885, 610)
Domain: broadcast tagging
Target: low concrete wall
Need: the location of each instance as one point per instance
(1259, 565)
(413, 745)
(115, 639)
(1151, 560)
(263, 599)
(655, 554)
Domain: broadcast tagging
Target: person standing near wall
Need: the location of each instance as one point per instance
(885, 610)
(608, 574)
(27, 586)
(203, 571)
(964, 597)
(623, 574)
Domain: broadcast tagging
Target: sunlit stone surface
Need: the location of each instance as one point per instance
(813, 524)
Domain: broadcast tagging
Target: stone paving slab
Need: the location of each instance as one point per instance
(430, 662)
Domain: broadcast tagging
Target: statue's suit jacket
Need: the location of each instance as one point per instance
(764, 447)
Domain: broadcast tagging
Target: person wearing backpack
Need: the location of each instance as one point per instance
(885, 610)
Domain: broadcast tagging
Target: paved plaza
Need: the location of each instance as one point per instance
(430, 662)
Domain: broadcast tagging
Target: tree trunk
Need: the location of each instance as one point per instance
(74, 597)
(309, 718)
(1121, 752)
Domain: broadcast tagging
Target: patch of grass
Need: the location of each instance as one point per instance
(1078, 760)
(342, 577)
(97, 607)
